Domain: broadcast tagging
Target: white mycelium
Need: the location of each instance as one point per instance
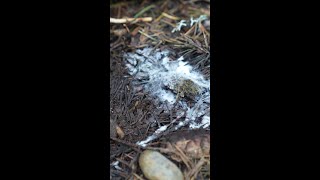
(158, 74)
(182, 23)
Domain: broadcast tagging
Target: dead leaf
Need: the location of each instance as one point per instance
(135, 31)
(120, 32)
(120, 132)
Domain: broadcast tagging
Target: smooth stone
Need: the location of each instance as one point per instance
(155, 166)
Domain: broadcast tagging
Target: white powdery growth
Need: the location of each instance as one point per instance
(159, 73)
(182, 23)
(198, 20)
(152, 137)
(159, 76)
(116, 165)
(198, 110)
(179, 26)
(205, 121)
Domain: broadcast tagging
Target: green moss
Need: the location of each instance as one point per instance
(186, 88)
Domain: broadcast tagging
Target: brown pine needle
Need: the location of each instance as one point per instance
(170, 16)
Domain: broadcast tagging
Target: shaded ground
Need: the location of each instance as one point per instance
(132, 110)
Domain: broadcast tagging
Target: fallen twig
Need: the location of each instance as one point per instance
(170, 16)
(133, 146)
(127, 20)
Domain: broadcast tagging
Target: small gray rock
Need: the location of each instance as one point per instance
(155, 166)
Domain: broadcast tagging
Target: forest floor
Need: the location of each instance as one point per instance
(135, 114)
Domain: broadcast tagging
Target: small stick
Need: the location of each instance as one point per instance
(126, 20)
(133, 146)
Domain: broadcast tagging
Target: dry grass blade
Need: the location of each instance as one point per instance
(192, 42)
(122, 174)
(169, 23)
(144, 10)
(137, 176)
(196, 169)
(183, 157)
(148, 36)
(123, 162)
(170, 16)
(133, 146)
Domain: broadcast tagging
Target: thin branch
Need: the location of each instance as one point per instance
(127, 20)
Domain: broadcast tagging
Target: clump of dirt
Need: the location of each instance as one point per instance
(135, 111)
